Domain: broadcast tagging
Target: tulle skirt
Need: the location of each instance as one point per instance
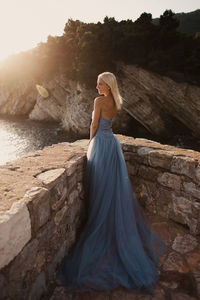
(117, 246)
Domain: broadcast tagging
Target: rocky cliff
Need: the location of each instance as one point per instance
(158, 103)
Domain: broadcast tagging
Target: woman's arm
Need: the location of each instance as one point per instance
(96, 116)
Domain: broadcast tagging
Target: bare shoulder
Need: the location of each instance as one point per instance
(98, 100)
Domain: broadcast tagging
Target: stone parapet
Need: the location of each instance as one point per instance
(43, 210)
(41, 219)
(165, 179)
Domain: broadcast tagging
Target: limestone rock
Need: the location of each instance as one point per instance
(17, 98)
(49, 177)
(175, 263)
(170, 180)
(15, 231)
(153, 100)
(185, 243)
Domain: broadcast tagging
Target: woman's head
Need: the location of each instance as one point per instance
(111, 84)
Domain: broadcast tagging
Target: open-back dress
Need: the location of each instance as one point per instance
(117, 246)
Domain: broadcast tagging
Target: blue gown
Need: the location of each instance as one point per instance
(117, 246)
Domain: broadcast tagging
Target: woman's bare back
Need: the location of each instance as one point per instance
(108, 107)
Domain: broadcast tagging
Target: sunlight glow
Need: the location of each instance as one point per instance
(25, 23)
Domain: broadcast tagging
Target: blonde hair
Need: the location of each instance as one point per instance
(110, 79)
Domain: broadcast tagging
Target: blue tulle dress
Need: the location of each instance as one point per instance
(117, 246)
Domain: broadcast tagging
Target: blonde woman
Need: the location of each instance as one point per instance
(117, 247)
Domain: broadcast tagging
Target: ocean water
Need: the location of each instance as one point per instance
(18, 136)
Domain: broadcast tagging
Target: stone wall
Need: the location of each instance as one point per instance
(42, 205)
(166, 180)
(41, 219)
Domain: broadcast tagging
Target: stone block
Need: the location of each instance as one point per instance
(60, 293)
(184, 243)
(70, 167)
(59, 193)
(80, 187)
(50, 177)
(60, 201)
(181, 211)
(175, 263)
(193, 260)
(80, 175)
(170, 180)
(192, 189)
(183, 165)
(128, 147)
(148, 173)
(21, 272)
(181, 205)
(197, 174)
(72, 197)
(142, 155)
(132, 168)
(160, 158)
(37, 200)
(15, 231)
(71, 182)
(60, 214)
(130, 156)
(145, 193)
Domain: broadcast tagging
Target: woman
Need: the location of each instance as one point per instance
(117, 246)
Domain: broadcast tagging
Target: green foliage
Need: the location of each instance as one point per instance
(85, 50)
(189, 23)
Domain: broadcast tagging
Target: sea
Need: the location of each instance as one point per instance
(19, 136)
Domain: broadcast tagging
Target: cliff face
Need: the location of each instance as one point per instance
(18, 98)
(156, 102)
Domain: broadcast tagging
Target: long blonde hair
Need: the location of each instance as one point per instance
(110, 79)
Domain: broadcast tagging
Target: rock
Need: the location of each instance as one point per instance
(73, 196)
(60, 214)
(17, 98)
(192, 189)
(60, 293)
(153, 100)
(51, 176)
(184, 211)
(160, 158)
(181, 296)
(193, 259)
(37, 200)
(184, 243)
(175, 263)
(170, 180)
(148, 173)
(15, 231)
(183, 165)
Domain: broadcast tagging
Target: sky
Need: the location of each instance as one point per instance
(25, 23)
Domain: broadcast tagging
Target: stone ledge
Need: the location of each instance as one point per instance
(15, 231)
(42, 205)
